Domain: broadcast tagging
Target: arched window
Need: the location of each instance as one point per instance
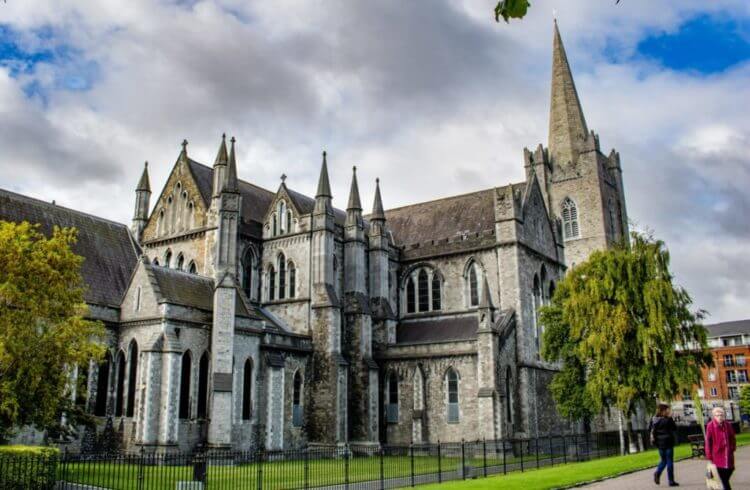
(281, 211)
(132, 378)
(282, 276)
(137, 302)
(423, 291)
(203, 387)
(248, 263)
(102, 387)
(289, 227)
(536, 294)
(192, 268)
(612, 219)
(418, 389)
(570, 219)
(168, 258)
(247, 390)
(410, 296)
(180, 262)
(436, 300)
(271, 284)
(297, 400)
(160, 222)
(551, 290)
(190, 208)
(452, 381)
(392, 405)
(187, 363)
(508, 395)
(542, 282)
(156, 262)
(120, 395)
(473, 286)
(275, 226)
(292, 280)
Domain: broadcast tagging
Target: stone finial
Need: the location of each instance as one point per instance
(354, 201)
(183, 153)
(324, 186)
(283, 178)
(230, 183)
(377, 205)
(144, 184)
(221, 156)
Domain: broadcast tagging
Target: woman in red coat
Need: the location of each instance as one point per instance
(720, 445)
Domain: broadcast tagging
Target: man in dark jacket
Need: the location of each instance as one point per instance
(664, 436)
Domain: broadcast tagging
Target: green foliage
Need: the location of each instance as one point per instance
(745, 400)
(43, 330)
(19, 450)
(623, 331)
(511, 8)
(28, 467)
(698, 404)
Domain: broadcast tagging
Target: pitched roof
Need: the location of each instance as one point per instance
(185, 289)
(444, 218)
(724, 329)
(437, 330)
(110, 254)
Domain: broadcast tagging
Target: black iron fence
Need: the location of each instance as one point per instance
(344, 467)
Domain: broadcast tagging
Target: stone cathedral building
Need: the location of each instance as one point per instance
(242, 317)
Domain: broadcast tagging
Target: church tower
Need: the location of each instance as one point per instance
(142, 198)
(582, 186)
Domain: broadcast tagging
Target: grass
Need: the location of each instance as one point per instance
(573, 473)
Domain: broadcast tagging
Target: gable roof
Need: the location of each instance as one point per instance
(110, 254)
(191, 290)
(724, 329)
(443, 218)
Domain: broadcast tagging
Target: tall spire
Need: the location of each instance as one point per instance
(324, 186)
(230, 184)
(377, 205)
(486, 300)
(221, 155)
(354, 201)
(144, 184)
(567, 126)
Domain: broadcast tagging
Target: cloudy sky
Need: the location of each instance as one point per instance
(433, 97)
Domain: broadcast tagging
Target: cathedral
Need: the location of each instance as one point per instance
(239, 317)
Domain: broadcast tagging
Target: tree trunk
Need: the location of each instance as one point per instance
(622, 435)
(631, 437)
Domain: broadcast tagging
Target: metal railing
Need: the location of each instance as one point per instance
(343, 467)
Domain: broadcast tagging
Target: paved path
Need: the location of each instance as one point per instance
(688, 473)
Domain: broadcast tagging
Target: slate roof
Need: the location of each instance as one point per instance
(437, 330)
(729, 328)
(191, 290)
(110, 254)
(443, 218)
(255, 200)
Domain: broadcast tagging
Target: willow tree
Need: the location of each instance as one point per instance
(623, 332)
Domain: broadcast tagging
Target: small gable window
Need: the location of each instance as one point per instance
(297, 400)
(452, 382)
(570, 219)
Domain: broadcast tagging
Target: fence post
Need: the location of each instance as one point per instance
(520, 445)
(575, 438)
(307, 468)
(140, 468)
(536, 448)
(382, 472)
(463, 459)
(411, 451)
(440, 466)
(484, 455)
(346, 466)
(551, 452)
(505, 458)
(260, 469)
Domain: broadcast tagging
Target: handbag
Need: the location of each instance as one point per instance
(713, 482)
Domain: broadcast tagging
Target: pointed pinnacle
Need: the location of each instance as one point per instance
(354, 201)
(221, 155)
(230, 184)
(324, 186)
(486, 301)
(377, 205)
(183, 153)
(144, 184)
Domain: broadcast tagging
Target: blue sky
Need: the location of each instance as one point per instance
(434, 101)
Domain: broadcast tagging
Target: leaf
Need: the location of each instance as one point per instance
(508, 9)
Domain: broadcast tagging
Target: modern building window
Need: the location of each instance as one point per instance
(102, 387)
(712, 375)
(423, 291)
(570, 219)
(713, 392)
(297, 400)
(271, 284)
(436, 300)
(132, 378)
(120, 394)
(282, 276)
(734, 392)
(391, 407)
(742, 376)
(185, 378)
(247, 390)
(731, 376)
(203, 387)
(473, 286)
(410, 296)
(728, 360)
(292, 280)
(739, 359)
(453, 411)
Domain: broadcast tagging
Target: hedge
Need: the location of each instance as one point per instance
(28, 467)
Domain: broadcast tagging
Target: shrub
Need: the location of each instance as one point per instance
(28, 467)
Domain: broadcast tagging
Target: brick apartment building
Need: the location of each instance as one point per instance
(721, 383)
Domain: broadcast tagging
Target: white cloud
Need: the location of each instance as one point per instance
(435, 100)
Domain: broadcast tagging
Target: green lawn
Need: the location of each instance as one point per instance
(571, 474)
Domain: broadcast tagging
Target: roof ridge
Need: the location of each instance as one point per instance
(441, 199)
(238, 179)
(57, 206)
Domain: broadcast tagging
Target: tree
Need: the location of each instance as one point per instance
(623, 332)
(515, 9)
(43, 330)
(745, 401)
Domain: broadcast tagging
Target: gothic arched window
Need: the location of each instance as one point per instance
(247, 390)
(289, 227)
(192, 268)
(508, 395)
(452, 382)
(203, 387)
(275, 226)
(423, 291)
(292, 280)
(282, 276)
(436, 300)
(297, 400)
(612, 219)
(536, 302)
(281, 211)
(187, 362)
(570, 219)
(132, 375)
(180, 262)
(248, 263)
(120, 394)
(168, 258)
(271, 284)
(410, 296)
(473, 286)
(102, 386)
(392, 406)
